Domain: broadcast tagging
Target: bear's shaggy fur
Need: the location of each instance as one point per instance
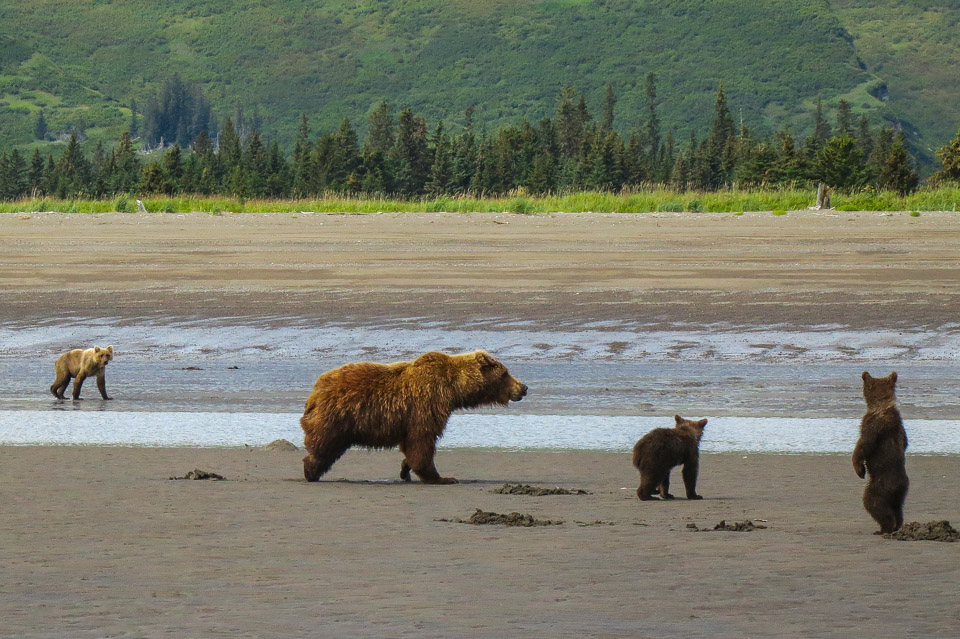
(403, 404)
(81, 364)
(881, 451)
(660, 450)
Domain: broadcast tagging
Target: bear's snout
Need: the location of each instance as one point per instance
(519, 393)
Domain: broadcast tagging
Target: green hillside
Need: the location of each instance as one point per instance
(82, 62)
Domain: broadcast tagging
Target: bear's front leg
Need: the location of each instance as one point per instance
(690, 470)
(405, 470)
(102, 385)
(419, 456)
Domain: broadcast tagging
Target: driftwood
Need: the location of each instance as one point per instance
(141, 207)
(823, 197)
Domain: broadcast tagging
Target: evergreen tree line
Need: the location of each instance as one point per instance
(568, 152)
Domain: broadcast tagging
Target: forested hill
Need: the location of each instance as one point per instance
(82, 62)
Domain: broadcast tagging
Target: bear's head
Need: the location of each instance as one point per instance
(485, 381)
(688, 424)
(879, 390)
(103, 355)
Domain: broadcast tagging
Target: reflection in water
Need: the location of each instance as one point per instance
(512, 432)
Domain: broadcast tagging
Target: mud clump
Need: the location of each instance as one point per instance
(281, 445)
(202, 474)
(737, 526)
(537, 491)
(930, 531)
(485, 518)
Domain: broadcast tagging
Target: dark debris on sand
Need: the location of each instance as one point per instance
(930, 531)
(485, 518)
(202, 474)
(738, 526)
(537, 491)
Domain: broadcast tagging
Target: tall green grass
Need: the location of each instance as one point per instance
(732, 201)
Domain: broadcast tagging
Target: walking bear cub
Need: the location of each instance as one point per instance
(404, 404)
(881, 452)
(660, 450)
(81, 364)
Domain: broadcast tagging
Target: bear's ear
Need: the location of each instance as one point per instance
(701, 423)
(678, 418)
(866, 376)
(96, 349)
(110, 349)
(484, 359)
(893, 377)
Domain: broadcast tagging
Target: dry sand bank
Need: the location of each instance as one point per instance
(866, 270)
(98, 542)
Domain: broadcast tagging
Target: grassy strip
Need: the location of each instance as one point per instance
(940, 199)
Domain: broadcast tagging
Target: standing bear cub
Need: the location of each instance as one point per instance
(403, 404)
(660, 450)
(81, 364)
(881, 451)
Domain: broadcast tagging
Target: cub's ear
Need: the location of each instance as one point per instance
(893, 376)
(678, 418)
(96, 349)
(110, 348)
(866, 376)
(485, 359)
(701, 423)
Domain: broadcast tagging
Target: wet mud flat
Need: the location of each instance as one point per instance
(102, 543)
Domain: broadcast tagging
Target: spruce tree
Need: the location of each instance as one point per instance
(410, 157)
(821, 129)
(464, 152)
(949, 155)
(844, 119)
(73, 171)
(898, 173)
(721, 145)
(173, 170)
(134, 126)
(35, 174)
(40, 127)
(609, 101)
(652, 132)
(839, 163)
(229, 155)
(441, 171)
(382, 129)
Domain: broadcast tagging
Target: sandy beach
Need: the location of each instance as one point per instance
(633, 314)
(98, 542)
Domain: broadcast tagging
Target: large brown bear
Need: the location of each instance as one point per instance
(881, 451)
(81, 364)
(660, 450)
(404, 404)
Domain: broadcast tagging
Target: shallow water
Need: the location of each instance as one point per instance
(600, 385)
(69, 425)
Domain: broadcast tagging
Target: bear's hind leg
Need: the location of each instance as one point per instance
(880, 508)
(405, 470)
(60, 385)
(77, 385)
(665, 488)
(648, 484)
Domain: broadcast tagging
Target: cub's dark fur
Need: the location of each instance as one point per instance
(660, 450)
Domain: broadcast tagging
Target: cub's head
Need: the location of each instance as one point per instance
(488, 381)
(879, 390)
(103, 355)
(696, 427)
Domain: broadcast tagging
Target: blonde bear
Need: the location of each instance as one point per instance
(81, 364)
